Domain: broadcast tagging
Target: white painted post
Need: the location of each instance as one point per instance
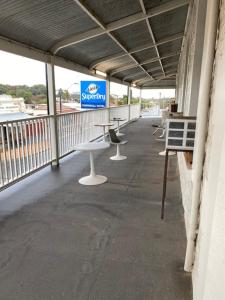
(197, 62)
(108, 96)
(140, 100)
(128, 100)
(50, 77)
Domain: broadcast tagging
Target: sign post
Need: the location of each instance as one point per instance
(93, 94)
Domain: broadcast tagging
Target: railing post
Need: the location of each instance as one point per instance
(128, 100)
(50, 78)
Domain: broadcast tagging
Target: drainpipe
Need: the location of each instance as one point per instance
(212, 14)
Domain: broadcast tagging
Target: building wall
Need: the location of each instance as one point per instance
(209, 266)
(186, 187)
(188, 86)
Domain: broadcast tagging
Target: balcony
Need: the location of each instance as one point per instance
(63, 240)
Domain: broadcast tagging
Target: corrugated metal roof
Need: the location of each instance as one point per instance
(104, 34)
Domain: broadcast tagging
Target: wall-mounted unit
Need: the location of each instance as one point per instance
(180, 133)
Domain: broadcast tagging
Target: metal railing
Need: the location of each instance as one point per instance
(152, 112)
(135, 111)
(120, 112)
(76, 128)
(26, 145)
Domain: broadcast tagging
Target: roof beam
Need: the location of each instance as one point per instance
(149, 70)
(148, 61)
(137, 49)
(169, 83)
(100, 23)
(123, 68)
(131, 76)
(127, 67)
(165, 66)
(145, 79)
(77, 38)
(151, 34)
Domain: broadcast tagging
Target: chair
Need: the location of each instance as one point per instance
(116, 141)
(162, 126)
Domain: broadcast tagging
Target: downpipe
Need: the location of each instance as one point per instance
(212, 14)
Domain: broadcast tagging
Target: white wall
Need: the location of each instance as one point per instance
(186, 187)
(209, 266)
(191, 58)
(188, 86)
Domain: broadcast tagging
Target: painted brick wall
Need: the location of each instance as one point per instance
(185, 73)
(209, 267)
(186, 187)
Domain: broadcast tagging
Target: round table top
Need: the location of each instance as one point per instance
(94, 146)
(104, 124)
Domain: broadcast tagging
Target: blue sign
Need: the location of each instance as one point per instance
(93, 94)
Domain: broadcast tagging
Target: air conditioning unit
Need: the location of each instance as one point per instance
(180, 133)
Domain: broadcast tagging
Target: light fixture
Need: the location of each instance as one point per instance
(97, 72)
(134, 84)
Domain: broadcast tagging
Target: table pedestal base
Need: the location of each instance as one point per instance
(170, 153)
(92, 180)
(120, 134)
(118, 157)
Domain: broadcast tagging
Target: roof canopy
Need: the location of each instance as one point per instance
(134, 41)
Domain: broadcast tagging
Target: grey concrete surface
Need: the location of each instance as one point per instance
(61, 240)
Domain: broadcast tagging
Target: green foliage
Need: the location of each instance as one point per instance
(34, 94)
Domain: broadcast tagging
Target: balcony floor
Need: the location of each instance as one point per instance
(102, 242)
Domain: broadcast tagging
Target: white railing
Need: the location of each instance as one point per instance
(76, 128)
(120, 112)
(26, 145)
(153, 112)
(135, 111)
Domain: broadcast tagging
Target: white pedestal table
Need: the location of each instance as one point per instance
(92, 179)
(118, 120)
(104, 125)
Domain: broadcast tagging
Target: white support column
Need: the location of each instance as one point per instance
(128, 99)
(107, 97)
(197, 62)
(140, 96)
(50, 77)
(140, 99)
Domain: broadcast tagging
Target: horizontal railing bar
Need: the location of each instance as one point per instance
(62, 114)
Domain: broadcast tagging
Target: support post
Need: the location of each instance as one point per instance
(128, 100)
(50, 78)
(140, 100)
(108, 97)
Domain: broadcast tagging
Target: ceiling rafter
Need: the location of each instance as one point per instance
(100, 23)
(151, 60)
(137, 49)
(123, 22)
(167, 83)
(145, 79)
(149, 70)
(151, 34)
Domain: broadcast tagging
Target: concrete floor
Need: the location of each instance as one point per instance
(99, 243)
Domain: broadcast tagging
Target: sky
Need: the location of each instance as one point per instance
(18, 70)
